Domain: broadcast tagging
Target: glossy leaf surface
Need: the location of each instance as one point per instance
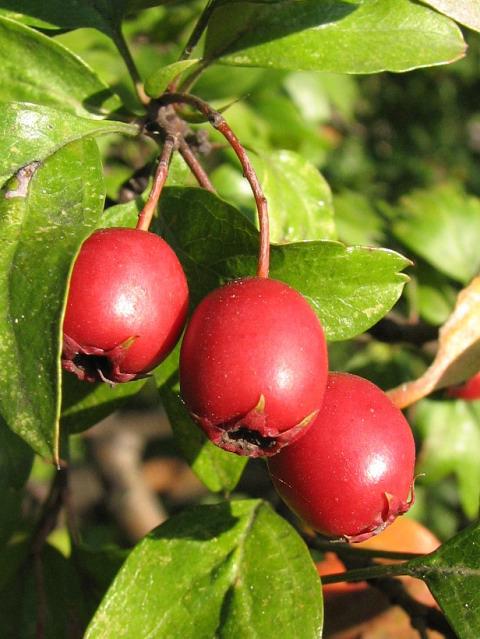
(232, 569)
(335, 36)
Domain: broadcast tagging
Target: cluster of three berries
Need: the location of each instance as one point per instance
(254, 376)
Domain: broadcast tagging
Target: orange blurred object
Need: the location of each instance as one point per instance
(404, 535)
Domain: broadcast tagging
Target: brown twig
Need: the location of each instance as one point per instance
(117, 445)
(218, 122)
(161, 174)
(195, 167)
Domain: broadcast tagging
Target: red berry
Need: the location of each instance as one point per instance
(469, 391)
(126, 306)
(352, 473)
(253, 366)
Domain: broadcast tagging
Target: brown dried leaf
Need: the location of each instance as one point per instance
(458, 356)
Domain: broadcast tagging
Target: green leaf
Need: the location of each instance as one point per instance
(349, 288)
(466, 12)
(340, 37)
(158, 82)
(356, 219)
(49, 74)
(229, 570)
(316, 93)
(299, 198)
(44, 217)
(442, 225)
(450, 432)
(216, 468)
(84, 405)
(436, 295)
(453, 576)
(31, 132)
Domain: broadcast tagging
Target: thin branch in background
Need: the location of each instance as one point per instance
(361, 567)
(343, 549)
(161, 174)
(217, 120)
(198, 30)
(393, 330)
(124, 51)
(195, 167)
(46, 524)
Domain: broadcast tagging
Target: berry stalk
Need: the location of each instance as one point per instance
(217, 120)
(161, 174)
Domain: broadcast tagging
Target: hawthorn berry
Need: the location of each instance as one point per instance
(352, 473)
(469, 391)
(126, 305)
(253, 366)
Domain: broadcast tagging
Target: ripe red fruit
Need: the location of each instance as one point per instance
(469, 391)
(126, 306)
(253, 366)
(352, 473)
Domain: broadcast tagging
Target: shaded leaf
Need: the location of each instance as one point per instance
(349, 288)
(21, 601)
(104, 15)
(216, 468)
(42, 224)
(96, 569)
(51, 75)
(340, 37)
(442, 225)
(31, 132)
(466, 12)
(16, 460)
(232, 569)
(158, 82)
(450, 432)
(458, 351)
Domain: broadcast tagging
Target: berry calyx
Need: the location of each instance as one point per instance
(126, 306)
(253, 366)
(351, 474)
